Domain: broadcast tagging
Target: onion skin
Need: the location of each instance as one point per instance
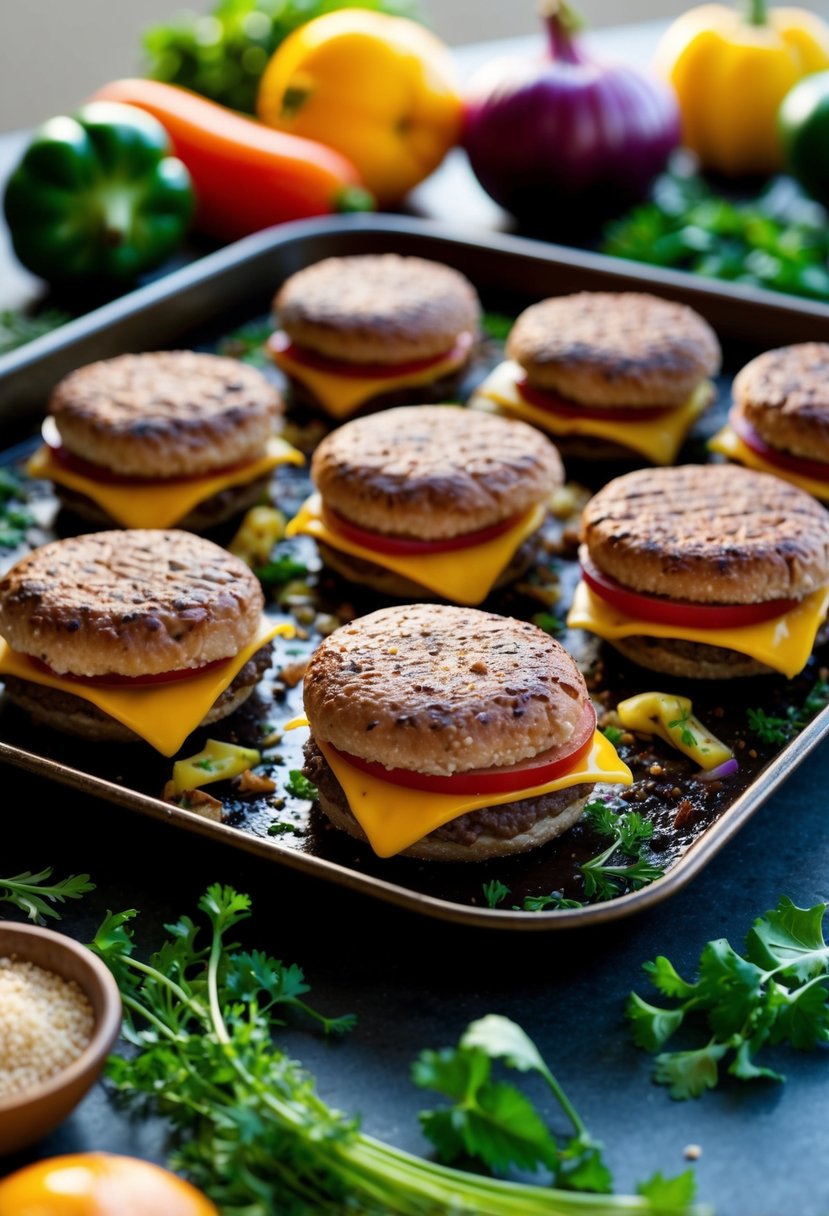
(564, 142)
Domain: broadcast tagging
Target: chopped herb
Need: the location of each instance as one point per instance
(613, 734)
(284, 829)
(248, 343)
(14, 518)
(495, 893)
(775, 730)
(205, 764)
(280, 570)
(553, 625)
(497, 325)
(300, 787)
(33, 893)
(629, 833)
(18, 327)
(775, 993)
(538, 903)
(687, 736)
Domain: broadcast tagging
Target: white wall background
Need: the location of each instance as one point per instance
(53, 53)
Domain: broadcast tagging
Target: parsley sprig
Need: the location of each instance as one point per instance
(34, 894)
(629, 832)
(773, 994)
(776, 730)
(249, 1126)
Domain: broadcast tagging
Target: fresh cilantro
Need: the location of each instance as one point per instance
(284, 829)
(497, 325)
(629, 833)
(687, 736)
(551, 624)
(775, 993)
(33, 893)
(280, 570)
(495, 893)
(300, 787)
(249, 1129)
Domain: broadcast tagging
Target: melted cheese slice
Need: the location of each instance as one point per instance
(465, 576)
(783, 643)
(158, 504)
(658, 439)
(342, 396)
(393, 817)
(162, 714)
(729, 444)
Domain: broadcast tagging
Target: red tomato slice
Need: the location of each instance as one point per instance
(511, 778)
(783, 460)
(280, 344)
(678, 612)
(404, 545)
(117, 681)
(547, 399)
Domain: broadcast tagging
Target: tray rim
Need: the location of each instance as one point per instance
(251, 249)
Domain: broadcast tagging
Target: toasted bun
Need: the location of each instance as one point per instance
(442, 690)
(129, 603)
(709, 534)
(784, 395)
(165, 414)
(608, 349)
(377, 308)
(431, 472)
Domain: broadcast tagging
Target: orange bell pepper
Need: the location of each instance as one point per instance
(245, 176)
(97, 1184)
(379, 89)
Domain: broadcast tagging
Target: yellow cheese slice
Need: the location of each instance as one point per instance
(728, 443)
(162, 714)
(783, 643)
(659, 439)
(342, 396)
(393, 817)
(465, 576)
(158, 504)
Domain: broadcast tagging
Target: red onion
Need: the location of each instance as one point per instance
(564, 142)
(726, 769)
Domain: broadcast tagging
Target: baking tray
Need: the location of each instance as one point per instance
(199, 304)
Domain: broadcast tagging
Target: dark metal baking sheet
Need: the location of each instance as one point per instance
(203, 301)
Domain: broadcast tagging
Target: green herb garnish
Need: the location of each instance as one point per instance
(280, 570)
(18, 327)
(775, 993)
(776, 730)
(629, 833)
(497, 325)
(613, 734)
(495, 893)
(33, 893)
(539, 903)
(248, 343)
(681, 723)
(300, 787)
(284, 829)
(551, 624)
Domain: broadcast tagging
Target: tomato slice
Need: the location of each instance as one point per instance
(118, 681)
(280, 344)
(96, 472)
(678, 612)
(404, 545)
(511, 778)
(783, 460)
(547, 399)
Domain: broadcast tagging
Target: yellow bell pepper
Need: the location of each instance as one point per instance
(670, 717)
(216, 762)
(731, 72)
(379, 89)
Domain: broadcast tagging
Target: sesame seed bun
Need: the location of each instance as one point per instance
(130, 603)
(165, 414)
(784, 395)
(442, 690)
(431, 472)
(377, 308)
(615, 349)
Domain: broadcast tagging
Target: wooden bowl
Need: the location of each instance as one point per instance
(32, 1114)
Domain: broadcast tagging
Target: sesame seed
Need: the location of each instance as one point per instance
(46, 1022)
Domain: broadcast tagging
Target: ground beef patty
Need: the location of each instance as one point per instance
(502, 822)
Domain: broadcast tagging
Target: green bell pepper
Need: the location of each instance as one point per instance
(803, 121)
(98, 196)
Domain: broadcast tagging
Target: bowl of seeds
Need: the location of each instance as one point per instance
(60, 1014)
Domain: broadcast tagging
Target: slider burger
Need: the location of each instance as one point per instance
(705, 571)
(779, 422)
(374, 330)
(451, 734)
(121, 636)
(170, 437)
(610, 376)
(430, 499)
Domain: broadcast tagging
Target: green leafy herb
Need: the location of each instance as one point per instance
(248, 1125)
(779, 240)
(33, 893)
(205, 764)
(538, 903)
(300, 787)
(280, 570)
(223, 54)
(687, 736)
(497, 325)
(551, 624)
(14, 518)
(613, 734)
(249, 343)
(776, 730)
(284, 829)
(495, 893)
(17, 327)
(775, 993)
(629, 833)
